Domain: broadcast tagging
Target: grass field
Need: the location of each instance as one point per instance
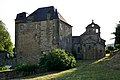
(85, 70)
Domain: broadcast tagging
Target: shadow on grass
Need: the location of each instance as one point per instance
(48, 75)
(39, 75)
(54, 75)
(92, 70)
(85, 70)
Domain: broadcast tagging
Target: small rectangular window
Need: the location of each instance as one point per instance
(60, 26)
(36, 26)
(96, 30)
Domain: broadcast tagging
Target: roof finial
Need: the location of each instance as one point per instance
(92, 21)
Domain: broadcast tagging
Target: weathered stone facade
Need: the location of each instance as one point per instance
(90, 43)
(76, 46)
(43, 30)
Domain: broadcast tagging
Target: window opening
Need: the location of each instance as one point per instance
(96, 30)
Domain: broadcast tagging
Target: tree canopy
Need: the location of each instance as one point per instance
(5, 40)
(117, 34)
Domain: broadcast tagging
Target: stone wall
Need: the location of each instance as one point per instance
(35, 37)
(92, 46)
(7, 75)
(65, 36)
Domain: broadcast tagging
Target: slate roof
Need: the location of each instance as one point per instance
(40, 15)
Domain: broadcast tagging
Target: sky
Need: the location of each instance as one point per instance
(78, 13)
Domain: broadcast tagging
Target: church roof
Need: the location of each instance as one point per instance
(93, 25)
(41, 14)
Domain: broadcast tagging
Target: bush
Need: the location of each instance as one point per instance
(27, 68)
(107, 51)
(117, 46)
(57, 60)
(110, 48)
(3, 68)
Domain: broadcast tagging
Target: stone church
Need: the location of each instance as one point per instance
(42, 30)
(89, 45)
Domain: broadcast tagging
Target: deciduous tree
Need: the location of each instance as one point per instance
(5, 40)
(117, 34)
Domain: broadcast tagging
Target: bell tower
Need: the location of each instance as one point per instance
(93, 29)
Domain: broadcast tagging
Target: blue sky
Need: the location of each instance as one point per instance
(78, 13)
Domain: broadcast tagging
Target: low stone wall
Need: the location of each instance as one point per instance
(6, 75)
(10, 74)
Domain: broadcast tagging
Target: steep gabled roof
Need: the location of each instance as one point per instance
(41, 14)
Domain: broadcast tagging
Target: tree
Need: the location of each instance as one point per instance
(117, 34)
(5, 40)
(117, 46)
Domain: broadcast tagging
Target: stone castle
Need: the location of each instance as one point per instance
(46, 29)
(43, 30)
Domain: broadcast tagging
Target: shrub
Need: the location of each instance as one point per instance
(110, 48)
(27, 68)
(3, 68)
(117, 46)
(57, 59)
(107, 51)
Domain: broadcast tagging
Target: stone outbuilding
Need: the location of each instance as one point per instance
(42, 30)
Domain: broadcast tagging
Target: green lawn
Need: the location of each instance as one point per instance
(85, 70)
